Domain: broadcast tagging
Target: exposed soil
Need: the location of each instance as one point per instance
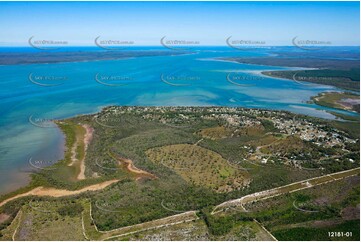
(54, 192)
(351, 213)
(3, 217)
(87, 138)
(128, 164)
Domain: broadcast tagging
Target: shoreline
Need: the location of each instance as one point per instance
(126, 159)
(290, 68)
(336, 100)
(102, 108)
(271, 73)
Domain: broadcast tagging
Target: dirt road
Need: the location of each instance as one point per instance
(85, 140)
(293, 187)
(54, 192)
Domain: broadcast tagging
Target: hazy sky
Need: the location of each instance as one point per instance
(210, 23)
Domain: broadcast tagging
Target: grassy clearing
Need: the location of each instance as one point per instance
(199, 166)
(286, 146)
(215, 133)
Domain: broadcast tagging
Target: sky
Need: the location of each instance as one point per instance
(209, 23)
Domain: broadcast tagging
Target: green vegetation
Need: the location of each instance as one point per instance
(44, 219)
(350, 230)
(340, 73)
(71, 210)
(334, 207)
(345, 117)
(199, 166)
(351, 128)
(64, 173)
(214, 133)
(223, 224)
(344, 101)
(188, 159)
(345, 79)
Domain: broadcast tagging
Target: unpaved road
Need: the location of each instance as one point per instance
(154, 224)
(86, 141)
(87, 138)
(293, 187)
(54, 192)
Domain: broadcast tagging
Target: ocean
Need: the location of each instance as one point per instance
(34, 94)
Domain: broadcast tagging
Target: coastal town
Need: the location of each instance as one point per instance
(294, 139)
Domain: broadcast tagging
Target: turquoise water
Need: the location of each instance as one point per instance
(194, 79)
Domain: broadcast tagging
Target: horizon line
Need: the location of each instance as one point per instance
(193, 46)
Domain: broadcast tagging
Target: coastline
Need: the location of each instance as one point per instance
(347, 84)
(100, 108)
(40, 190)
(338, 100)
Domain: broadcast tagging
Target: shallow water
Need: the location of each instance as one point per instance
(195, 79)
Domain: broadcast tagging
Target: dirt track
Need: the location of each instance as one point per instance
(87, 138)
(293, 187)
(53, 192)
(86, 141)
